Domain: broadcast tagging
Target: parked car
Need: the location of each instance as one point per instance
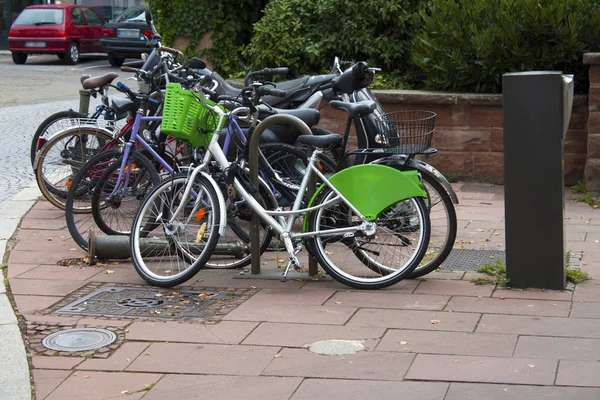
(64, 30)
(126, 36)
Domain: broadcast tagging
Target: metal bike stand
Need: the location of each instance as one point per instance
(255, 272)
(84, 101)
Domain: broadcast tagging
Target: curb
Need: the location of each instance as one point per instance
(15, 382)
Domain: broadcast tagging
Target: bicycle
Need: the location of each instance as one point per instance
(177, 226)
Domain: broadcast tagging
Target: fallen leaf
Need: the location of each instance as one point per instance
(87, 376)
(158, 295)
(329, 253)
(435, 321)
(278, 355)
(204, 295)
(531, 365)
(338, 302)
(496, 234)
(49, 239)
(125, 392)
(146, 353)
(403, 342)
(110, 271)
(480, 230)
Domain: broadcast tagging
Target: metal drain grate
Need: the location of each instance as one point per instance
(142, 302)
(470, 259)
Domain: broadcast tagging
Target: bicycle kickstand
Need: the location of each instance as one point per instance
(293, 259)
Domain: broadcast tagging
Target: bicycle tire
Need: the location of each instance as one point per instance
(291, 160)
(54, 172)
(114, 216)
(51, 126)
(78, 206)
(161, 252)
(236, 235)
(442, 216)
(354, 273)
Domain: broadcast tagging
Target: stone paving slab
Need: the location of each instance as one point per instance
(540, 326)
(117, 361)
(332, 315)
(510, 306)
(585, 310)
(578, 373)
(43, 287)
(95, 385)
(455, 368)
(45, 381)
(362, 365)
(191, 387)
(454, 288)
(365, 389)
(224, 332)
(443, 321)
(56, 362)
(300, 335)
(390, 300)
(460, 343)
(462, 391)
(204, 359)
(558, 348)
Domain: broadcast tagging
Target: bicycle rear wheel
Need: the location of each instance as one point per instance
(392, 251)
(50, 127)
(443, 226)
(62, 157)
(167, 250)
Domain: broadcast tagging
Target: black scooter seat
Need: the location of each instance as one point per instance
(355, 110)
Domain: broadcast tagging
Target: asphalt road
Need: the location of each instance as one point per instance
(30, 93)
(46, 78)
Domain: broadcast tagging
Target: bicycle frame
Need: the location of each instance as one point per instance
(135, 138)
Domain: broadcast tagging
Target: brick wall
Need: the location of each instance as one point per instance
(469, 133)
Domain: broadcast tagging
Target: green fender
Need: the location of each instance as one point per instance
(372, 188)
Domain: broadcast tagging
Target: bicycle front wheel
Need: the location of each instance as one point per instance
(369, 260)
(115, 201)
(169, 249)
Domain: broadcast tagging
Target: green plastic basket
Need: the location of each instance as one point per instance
(186, 118)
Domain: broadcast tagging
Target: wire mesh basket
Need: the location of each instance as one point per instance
(185, 118)
(406, 132)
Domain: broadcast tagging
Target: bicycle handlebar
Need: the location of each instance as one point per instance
(280, 71)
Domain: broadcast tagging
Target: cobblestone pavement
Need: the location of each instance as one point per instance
(17, 126)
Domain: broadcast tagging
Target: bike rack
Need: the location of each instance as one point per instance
(253, 161)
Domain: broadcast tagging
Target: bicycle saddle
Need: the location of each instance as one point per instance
(98, 81)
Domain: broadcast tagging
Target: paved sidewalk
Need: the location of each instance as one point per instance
(441, 337)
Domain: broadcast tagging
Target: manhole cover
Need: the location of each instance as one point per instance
(471, 259)
(144, 302)
(336, 347)
(79, 339)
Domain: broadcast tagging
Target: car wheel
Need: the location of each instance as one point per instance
(114, 60)
(72, 54)
(19, 58)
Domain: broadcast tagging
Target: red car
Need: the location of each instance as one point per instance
(64, 30)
